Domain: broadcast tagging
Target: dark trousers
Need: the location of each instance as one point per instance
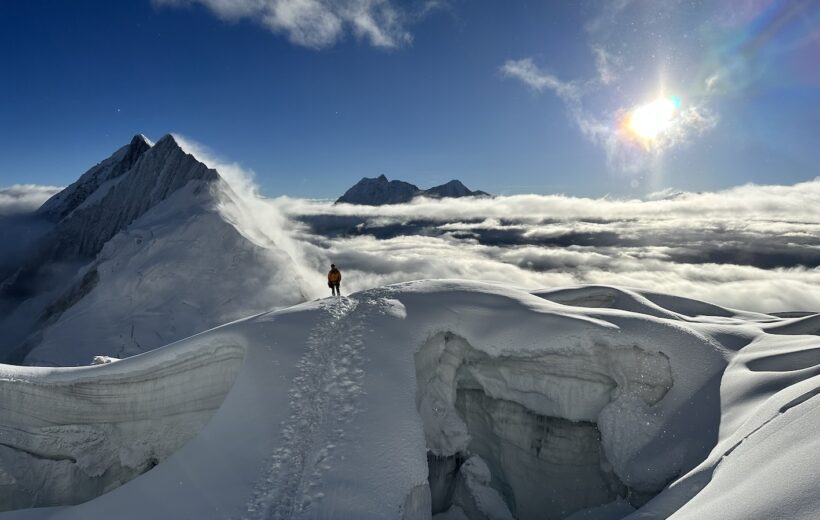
(334, 288)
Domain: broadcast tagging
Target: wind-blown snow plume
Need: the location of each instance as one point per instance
(253, 216)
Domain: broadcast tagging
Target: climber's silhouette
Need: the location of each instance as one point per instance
(334, 278)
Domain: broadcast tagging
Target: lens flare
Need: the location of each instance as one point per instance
(648, 122)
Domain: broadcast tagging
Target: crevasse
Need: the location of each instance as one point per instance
(531, 420)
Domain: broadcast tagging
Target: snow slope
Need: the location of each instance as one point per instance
(107, 279)
(459, 399)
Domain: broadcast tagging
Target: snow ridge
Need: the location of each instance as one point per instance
(104, 277)
(158, 174)
(119, 163)
(322, 400)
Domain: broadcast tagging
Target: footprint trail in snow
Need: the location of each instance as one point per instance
(323, 399)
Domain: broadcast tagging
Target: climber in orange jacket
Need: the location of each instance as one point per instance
(334, 278)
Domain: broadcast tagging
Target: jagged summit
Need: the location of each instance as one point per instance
(168, 138)
(120, 162)
(99, 179)
(454, 188)
(378, 190)
(107, 198)
(106, 275)
(375, 191)
(145, 139)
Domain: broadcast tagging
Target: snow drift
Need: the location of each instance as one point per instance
(448, 399)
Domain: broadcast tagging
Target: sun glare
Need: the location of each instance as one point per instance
(649, 121)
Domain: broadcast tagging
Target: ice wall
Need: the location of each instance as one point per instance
(69, 435)
(532, 419)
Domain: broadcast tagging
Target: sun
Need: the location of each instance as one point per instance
(648, 122)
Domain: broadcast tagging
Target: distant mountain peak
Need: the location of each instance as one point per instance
(454, 188)
(376, 191)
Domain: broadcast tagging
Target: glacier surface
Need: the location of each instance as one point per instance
(445, 399)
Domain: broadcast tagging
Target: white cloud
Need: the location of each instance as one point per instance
(605, 128)
(712, 83)
(241, 204)
(23, 198)
(710, 246)
(19, 228)
(799, 202)
(526, 71)
(370, 262)
(606, 65)
(749, 247)
(318, 23)
(639, 54)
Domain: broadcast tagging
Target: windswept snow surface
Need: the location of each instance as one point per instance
(443, 399)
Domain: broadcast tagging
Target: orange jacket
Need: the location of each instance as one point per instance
(334, 276)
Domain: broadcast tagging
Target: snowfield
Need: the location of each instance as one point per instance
(444, 399)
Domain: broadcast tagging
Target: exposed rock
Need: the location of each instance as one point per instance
(378, 191)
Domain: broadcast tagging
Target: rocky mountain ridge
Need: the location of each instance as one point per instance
(106, 278)
(377, 191)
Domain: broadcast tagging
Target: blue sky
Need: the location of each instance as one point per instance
(510, 97)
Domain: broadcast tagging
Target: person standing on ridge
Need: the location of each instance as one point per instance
(334, 278)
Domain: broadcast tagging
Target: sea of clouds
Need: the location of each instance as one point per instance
(751, 247)
(23, 198)
(18, 229)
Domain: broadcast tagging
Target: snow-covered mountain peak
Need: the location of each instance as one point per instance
(106, 278)
(168, 158)
(454, 188)
(119, 198)
(145, 139)
(168, 138)
(378, 190)
(119, 163)
(147, 173)
(141, 137)
(375, 191)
